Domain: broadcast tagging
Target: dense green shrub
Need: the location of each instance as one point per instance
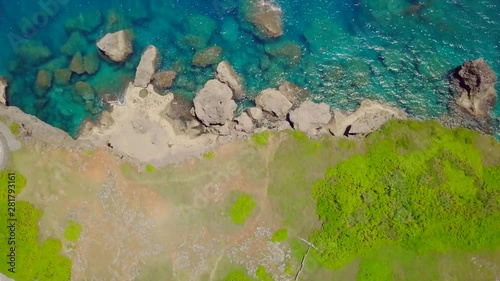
(280, 235)
(424, 194)
(242, 209)
(72, 231)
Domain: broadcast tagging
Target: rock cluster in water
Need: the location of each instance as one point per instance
(474, 86)
(116, 46)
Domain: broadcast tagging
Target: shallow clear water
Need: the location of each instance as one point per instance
(349, 49)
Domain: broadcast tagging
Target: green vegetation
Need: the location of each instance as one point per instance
(242, 209)
(280, 235)
(262, 274)
(72, 231)
(374, 270)
(15, 128)
(90, 153)
(237, 275)
(33, 261)
(261, 139)
(209, 155)
(150, 168)
(419, 187)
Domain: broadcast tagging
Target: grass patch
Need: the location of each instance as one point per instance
(90, 153)
(209, 155)
(72, 231)
(261, 139)
(262, 274)
(242, 209)
(280, 235)
(34, 260)
(150, 168)
(237, 275)
(15, 128)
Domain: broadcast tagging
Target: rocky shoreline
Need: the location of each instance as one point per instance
(148, 127)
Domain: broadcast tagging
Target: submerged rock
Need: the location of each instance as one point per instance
(84, 90)
(273, 101)
(198, 29)
(289, 51)
(116, 21)
(310, 117)
(266, 16)
(76, 43)
(295, 94)
(214, 104)
(86, 22)
(206, 57)
(33, 52)
(62, 77)
(43, 80)
(3, 90)
(227, 75)
(164, 80)
(474, 86)
(147, 67)
(77, 64)
(369, 117)
(116, 46)
(91, 63)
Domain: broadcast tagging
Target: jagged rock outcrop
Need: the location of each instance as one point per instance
(267, 17)
(116, 46)
(147, 67)
(369, 117)
(214, 104)
(3, 90)
(309, 117)
(474, 86)
(244, 123)
(295, 94)
(255, 113)
(227, 75)
(273, 101)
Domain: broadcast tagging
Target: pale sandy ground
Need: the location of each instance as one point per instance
(141, 130)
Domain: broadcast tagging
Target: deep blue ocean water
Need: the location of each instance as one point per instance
(350, 49)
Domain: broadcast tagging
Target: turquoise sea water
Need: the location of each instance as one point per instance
(349, 50)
